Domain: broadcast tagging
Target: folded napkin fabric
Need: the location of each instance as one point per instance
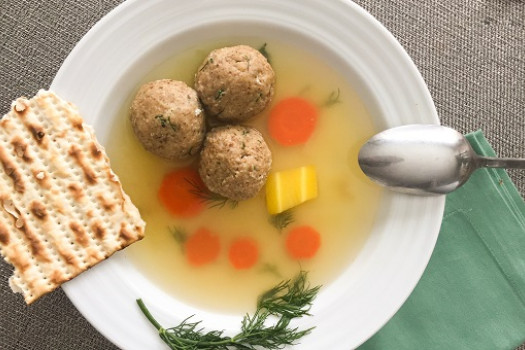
(472, 294)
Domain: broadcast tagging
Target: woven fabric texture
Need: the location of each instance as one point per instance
(471, 53)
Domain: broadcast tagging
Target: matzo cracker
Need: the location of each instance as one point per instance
(62, 209)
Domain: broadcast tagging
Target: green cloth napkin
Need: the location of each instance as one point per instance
(472, 294)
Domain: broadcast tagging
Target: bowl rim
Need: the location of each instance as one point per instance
(83, 290)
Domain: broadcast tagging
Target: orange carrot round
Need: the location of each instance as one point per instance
(243, 253)
(303, 242)
(202, 247)
(175, 193)
(292, 121)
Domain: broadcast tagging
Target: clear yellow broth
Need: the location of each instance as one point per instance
(343, 213)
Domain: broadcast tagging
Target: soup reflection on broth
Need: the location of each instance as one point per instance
(342, 213)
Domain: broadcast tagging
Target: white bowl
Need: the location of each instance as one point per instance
(108, 63)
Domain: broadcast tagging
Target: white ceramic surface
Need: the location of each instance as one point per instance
(115, 54)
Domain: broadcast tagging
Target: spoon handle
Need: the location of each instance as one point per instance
(514, 163)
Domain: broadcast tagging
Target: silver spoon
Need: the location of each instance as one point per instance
(424, 159)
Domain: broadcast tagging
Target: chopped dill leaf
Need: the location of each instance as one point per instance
(179, 235)
(213, 200)
(305, 90)
(166, 122)
(288, 300)
(210, 60)
(162, 120)
(282, 220)
(264, 52)
(259, 96)
(333, 98)
(270, 268)
(219, 94)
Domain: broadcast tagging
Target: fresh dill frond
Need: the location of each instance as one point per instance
(188, 335)
(333, 98)
(292, 298)
(282, 220)
(264, 52)
(212, 199)
(288, 300)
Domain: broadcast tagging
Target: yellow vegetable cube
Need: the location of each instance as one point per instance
(289, 188)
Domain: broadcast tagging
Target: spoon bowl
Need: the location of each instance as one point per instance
(424, 159)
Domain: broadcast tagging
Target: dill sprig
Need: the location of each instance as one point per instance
(333, 98)
(212, 200)
(291, 299)
(288, 300)
(282, 220)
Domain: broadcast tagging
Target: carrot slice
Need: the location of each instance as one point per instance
(244, 253)
(175, 193)
(303, 242)
(202, 247)
(292, 121)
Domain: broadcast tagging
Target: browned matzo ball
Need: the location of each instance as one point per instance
(235, 161)
(235, 83)
(168, 119)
